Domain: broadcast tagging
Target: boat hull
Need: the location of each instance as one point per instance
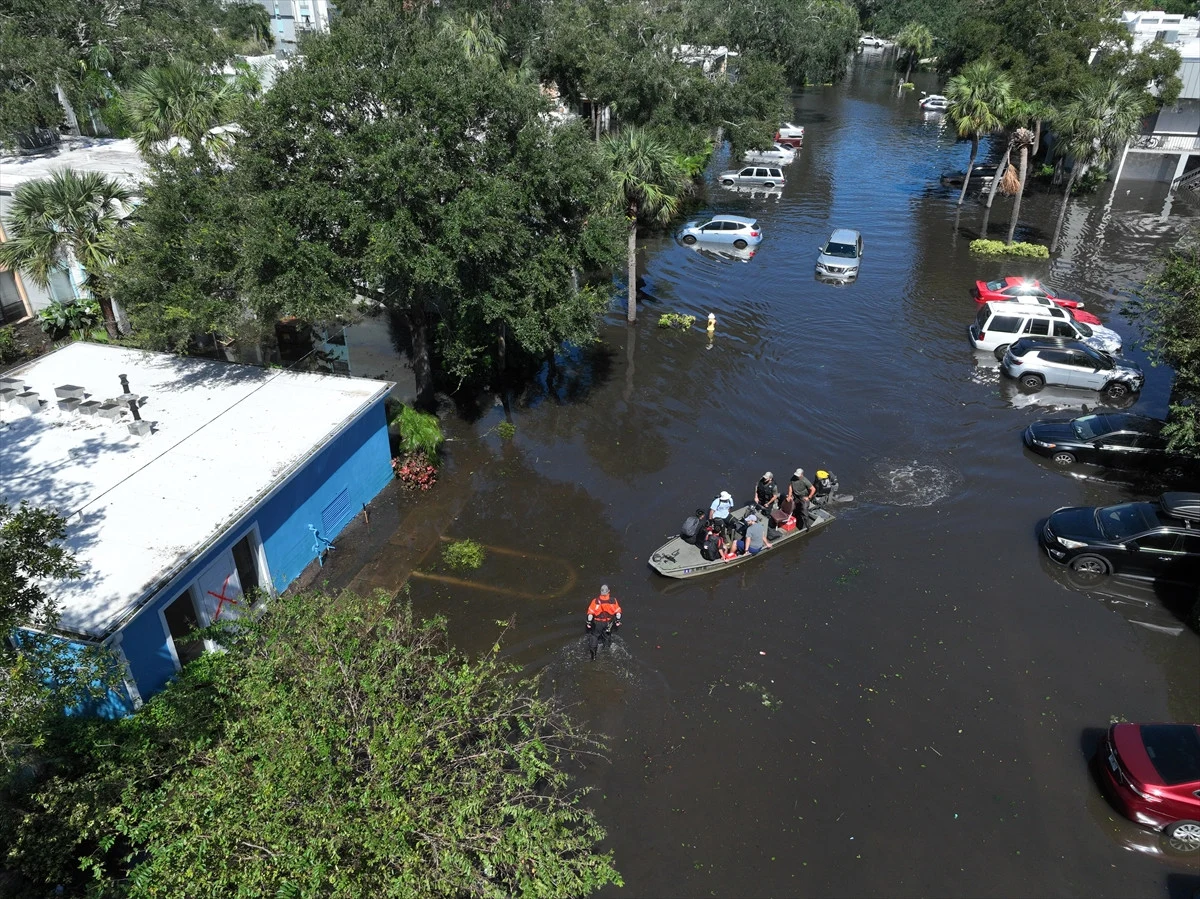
(679, 558)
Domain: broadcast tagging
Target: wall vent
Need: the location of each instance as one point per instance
(335, 514)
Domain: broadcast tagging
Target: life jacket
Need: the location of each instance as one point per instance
(604, 609)
(765, 492)
(710, 549)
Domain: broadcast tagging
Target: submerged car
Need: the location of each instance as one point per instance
(1137, 540)
(1151, 772)
(1119, 440)
(935, 103)
(732, 229)
(790, 135)
(997, 325)
(1029, 290)
(1038, 361)
(767, 176)
(777, 154)
(839, 258)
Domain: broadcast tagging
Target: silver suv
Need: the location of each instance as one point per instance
(1038, 361)
(766, 175)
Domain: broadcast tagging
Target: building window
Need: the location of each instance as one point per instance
(245, 560)
(12, 307)
(181, 621)
(61, 289)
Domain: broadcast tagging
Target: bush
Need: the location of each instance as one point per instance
(464, 554)
(415, 470)
(1000, 248)
(9, 351)
(507, 430)
(420, 432)
(675, 320)
(77, 317)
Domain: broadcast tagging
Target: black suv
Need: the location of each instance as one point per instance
(1037, 361)
(1120, 440)
(1143, 540)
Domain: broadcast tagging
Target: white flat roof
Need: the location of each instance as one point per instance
(118, 158)
(140, 507)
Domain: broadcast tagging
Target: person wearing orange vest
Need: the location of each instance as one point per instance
(603, 617)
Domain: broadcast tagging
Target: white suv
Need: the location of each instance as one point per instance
(998, 324)
(1038, 361)
(767, 176)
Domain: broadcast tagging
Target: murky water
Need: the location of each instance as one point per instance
(901, 704)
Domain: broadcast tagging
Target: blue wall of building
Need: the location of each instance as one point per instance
(357, 462)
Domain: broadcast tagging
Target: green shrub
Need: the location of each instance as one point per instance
(9, 351)
(464, 554)
(907, 86)
(420, 431)
(675, 320)
(74, 317)
(506, 429)
(1000, 248)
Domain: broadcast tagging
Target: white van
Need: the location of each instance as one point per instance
(999, 324)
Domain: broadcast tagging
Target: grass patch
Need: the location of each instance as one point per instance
(464, 554)
(1000, 248)
(675, 320)
(507, 430)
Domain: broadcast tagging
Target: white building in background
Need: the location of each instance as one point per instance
(19, 295)
(292, 18)
(1168, 149)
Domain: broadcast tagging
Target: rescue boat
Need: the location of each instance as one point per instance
(681, 558)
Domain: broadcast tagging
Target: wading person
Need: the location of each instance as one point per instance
(603, 617)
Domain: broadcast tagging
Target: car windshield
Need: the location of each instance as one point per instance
(1175, 751)
(1090, 426)
(1083, 329)
(844, 250)
(1125, 520)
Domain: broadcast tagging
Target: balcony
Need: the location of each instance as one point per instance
(1171, 144)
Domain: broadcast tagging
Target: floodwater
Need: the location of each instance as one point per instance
(902, 704)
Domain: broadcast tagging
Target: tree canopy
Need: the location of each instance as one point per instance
(337, 747)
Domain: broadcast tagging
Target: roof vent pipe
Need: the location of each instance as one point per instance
(124, 383)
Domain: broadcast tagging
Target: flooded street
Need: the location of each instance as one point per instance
(901, 704)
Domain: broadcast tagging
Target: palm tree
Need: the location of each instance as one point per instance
(1098, 122)
(1020, 142)
(70, 217)
(918, 41)
(181, 100)
(647, 182)
(475, 34)
(978, 96)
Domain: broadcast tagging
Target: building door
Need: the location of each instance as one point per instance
(181, 621)
(224, 585)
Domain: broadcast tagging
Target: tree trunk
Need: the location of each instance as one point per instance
(970, 166)
(68, 110)
(1062, 212)
(631, 312)
(1037, 138)
(501, 349)
(110, 317)
(1016, 210)
(418, 326)
(1000, 170)
(908, 70)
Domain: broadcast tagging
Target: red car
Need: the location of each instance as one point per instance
(1029, 290)
(1152, 774)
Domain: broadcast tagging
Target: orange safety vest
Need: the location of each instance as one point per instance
(603, 608)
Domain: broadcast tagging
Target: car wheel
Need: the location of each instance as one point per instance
(689, 239)
(768, 184)
(1187, 832)
(1063, 458)
(1090, 564)
(1116, 390)
(728, 182)
(1033, 381)
(1000, 351)
(740, 244)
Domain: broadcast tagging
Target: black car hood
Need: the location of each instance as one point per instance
(1076, 521)
(1052, 431)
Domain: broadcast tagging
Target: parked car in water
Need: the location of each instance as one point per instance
(1159, 540)
(1120, 440)
(1028, 290)
(997, 325)
(1151, 773)
(790, 135)
(981, 176)
(838, 259)
(934, 103)
(777, 154)
(732, 229)
(767, 176)
(1038, 361)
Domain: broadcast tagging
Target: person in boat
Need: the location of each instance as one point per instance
(766, 493)
(802, 491)
(719, 513)
(755, 540)
(824, 489)
(603, 617)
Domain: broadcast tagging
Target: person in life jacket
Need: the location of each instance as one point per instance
(603, 617)
(766, 493)
(825, 487)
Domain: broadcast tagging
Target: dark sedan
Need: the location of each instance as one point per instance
(1114, 439)
(1141, 540)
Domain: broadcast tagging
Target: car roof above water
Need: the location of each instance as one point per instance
(843, 235)
(740, 219)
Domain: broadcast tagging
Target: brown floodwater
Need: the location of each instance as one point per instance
(902, 704)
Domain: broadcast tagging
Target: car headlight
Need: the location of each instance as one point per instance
(1070, 544)
(1041, 443)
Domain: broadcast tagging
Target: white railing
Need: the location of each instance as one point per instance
(1190, 181)
(1166, 143)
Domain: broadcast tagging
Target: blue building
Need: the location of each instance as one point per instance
(191, 488)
